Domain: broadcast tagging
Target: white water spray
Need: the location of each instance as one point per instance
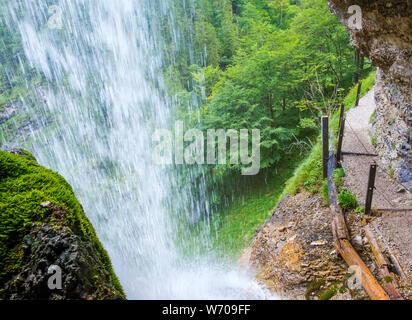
(106, 98)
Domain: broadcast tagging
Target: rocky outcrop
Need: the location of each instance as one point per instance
(386, 39)
(294, 255)
(48, 248)
(49, 244)
(7, 111)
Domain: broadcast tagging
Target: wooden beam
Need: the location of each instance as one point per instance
(342, 240)
(383, 265)
(368, 280)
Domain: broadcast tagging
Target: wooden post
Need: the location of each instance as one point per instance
(359, 93)
(325, 144)
(371, 188)
(339, 157)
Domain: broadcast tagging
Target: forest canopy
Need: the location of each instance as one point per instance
(273, 65)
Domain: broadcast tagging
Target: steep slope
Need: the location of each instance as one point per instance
(42, 225)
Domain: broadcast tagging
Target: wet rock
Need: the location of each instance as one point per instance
(7, 111)
(358, 240)
(52, 243)
(386, 39)
(287, 266)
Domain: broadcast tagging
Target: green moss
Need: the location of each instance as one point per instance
(343, 289)
(388, 279)
(314, 288)
(329, 293)
(24, 185)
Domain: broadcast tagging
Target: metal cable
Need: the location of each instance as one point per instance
(380, 167)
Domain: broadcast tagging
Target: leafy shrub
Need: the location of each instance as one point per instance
(347, 200)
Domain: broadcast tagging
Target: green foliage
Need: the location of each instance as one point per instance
(325, 191)
(346, 199)
(359, 210)
(338, 175)
(268, 65)
(233, 227)
(308, 174)
(24, 185)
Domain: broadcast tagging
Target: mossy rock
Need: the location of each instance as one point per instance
(34, 199)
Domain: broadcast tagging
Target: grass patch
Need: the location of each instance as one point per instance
(373, 118)
(367, 85)
(234, 228)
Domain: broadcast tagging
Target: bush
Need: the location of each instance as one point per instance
(347, 200)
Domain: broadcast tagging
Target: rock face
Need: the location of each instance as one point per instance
(49, 244)
(44, 244)
(293, 252)
(386, 39)
(7, 111)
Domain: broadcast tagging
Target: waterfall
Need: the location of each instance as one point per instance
(94, 125)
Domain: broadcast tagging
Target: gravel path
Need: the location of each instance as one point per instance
(395, 226)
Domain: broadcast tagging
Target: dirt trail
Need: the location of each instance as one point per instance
(396, 227)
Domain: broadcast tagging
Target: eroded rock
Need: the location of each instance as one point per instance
(386, 39)
(288, 267)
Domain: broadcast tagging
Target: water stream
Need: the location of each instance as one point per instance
(104, 100)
